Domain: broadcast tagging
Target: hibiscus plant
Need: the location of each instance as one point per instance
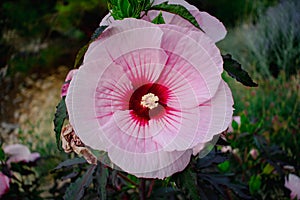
(147, 109)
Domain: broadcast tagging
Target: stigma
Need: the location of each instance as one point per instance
(149, 101)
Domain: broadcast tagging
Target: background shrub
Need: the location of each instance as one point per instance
(270, 45)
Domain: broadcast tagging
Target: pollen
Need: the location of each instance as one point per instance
(150, 101)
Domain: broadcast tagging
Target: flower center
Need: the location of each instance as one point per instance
(147, 97)
(150, 101)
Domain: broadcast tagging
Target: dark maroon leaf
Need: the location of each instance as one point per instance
(234, 69)
(59, 118)
(76, 190)
(70, 162)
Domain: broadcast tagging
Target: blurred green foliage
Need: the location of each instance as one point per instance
(233, 12)
(270, 116)
(39, 35)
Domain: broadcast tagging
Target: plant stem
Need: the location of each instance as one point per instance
(142, 189)
(150, 188)
(127, 179)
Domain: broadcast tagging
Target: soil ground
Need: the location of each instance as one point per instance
(28, 107)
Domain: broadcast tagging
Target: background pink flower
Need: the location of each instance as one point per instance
(4, 184)
(254, 153)
(209, 24)
(292, 182)
(19, 153)
(149, 95)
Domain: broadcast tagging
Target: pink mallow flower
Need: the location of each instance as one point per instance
(150, 96)
(254, 153)
(212, 27)
(4, 184)
(292, 182)
(20, 153)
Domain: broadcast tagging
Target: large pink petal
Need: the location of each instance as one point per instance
(152, 165)
(142, 66)
(177, 166)
(123, 37)
(123, 132)
(212, 27)
(213, 117)
(186, 82)
(197, 55)
(222, 104)
(80, 102)
(133, 149)
(217, 115)
(184, 131)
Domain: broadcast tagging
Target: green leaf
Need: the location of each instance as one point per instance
(159, 19)
(235, 70)
(80, 54)
(70, 162)
(254, 183)
(268, 169)
(76, 190)
(134, 3)
(188, 180)
(235, 125)
(178, 10)
(101, 178)
(225, 166)
(121, 9)
(59, 118)
(2, 154)
(125, 8)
